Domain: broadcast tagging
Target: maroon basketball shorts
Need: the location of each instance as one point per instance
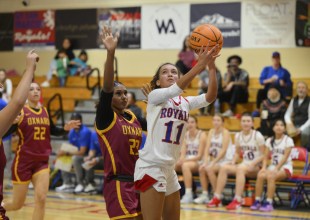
(122, 201)
(23, 170)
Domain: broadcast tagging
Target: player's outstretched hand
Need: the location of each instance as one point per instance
(146, 89)
(206, 56)
(72, 124)
(108, 40)
(31, 60)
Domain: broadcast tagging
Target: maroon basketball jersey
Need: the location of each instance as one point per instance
(119, 144)
(34, 135)
(2, 165)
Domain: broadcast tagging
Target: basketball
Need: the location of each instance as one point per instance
(204, 33)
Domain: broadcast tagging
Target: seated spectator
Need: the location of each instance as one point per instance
(7, 88)
(186, 56)
(131, 105)
(203, 88)
(275, 76)
(191, 156)
(62, 67)
(94, 161)
(67, 47)
(272, 109)
(235, 85)
(80, 138)
(297, 116)
(79, 65)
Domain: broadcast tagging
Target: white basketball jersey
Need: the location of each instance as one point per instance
(216, 146)
(250, 144)
(166, 125)
(192, 145)
(278, 149)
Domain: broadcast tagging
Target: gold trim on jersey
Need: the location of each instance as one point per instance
(41, 171)
(17, 154)
(21, 182)
(33, 111)
(110, 126)
(126, 216)
(106, 142)
(132, 118)
(119, 197)
(21, 116)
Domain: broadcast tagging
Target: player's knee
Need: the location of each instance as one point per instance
(202, 170)
(261, 175)
(271, 177)
(17, 205)
(40, 198)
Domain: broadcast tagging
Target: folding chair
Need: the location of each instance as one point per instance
(299, 193)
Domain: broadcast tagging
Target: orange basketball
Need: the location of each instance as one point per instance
(203, 34)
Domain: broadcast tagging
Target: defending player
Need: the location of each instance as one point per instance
(167, 115)
(252, 145)
(30, 164)
(281, 167)
(119, 135)
(219, 151)
(9, 113)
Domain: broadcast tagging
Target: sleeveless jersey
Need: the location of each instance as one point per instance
(216, 146)
(34, 135)
(192, 146)
(166, 126)
(278, 149)
(119, 144)
(250, 144)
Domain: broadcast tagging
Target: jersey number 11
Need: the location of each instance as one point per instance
(169, 126)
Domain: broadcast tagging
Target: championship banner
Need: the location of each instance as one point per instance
(6, 31)
(164, 26)
(225, 16)
(80, 26)
(302, 28)
(268, 23)
(34, 29)
(125, 21)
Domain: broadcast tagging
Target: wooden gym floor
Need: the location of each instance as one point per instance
(68, 207)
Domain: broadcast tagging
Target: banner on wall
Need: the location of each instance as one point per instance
(268, 23)
(34, 29)
(302, 23)
(80, 26)
(225, 16)
(125, 21)
(164, 26)
(6, 31)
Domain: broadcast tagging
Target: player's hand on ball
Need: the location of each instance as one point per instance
(108, 40)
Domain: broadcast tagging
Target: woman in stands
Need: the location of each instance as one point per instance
(167, 115)
(280, 146)
(219, 151)
(9, 113)
(34, 127)
(191, 154)
(251, 144)
(119, 133)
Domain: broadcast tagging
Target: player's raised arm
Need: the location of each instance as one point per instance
(9, 113)
(212, 90)
(110, 43)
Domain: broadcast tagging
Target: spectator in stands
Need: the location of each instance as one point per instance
(93, 161)
(219, 151)
(7, 88)
(251, 145)
(272, 109)
(281, 167)
(275, 76)
(203, 88)
(297, 116)
(132, 106)
(80, 138)
(79, 65)
(235, 85)
(68, 48)
(191, 156)
(62, 67)
(186, 57)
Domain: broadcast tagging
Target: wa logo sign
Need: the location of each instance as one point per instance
(164, 26)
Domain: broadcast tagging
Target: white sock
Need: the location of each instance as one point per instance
(205, 192)
(188, 191)
(238, 198)
(258, 198)
(269, 200)
(217, 196)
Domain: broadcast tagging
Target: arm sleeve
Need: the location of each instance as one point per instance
(196, 102)
(288, 113)
(287, 78)
(11, 130)
(159, 96)
(307, 123)
(56, 131)
(104, 113)
(263, 76)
